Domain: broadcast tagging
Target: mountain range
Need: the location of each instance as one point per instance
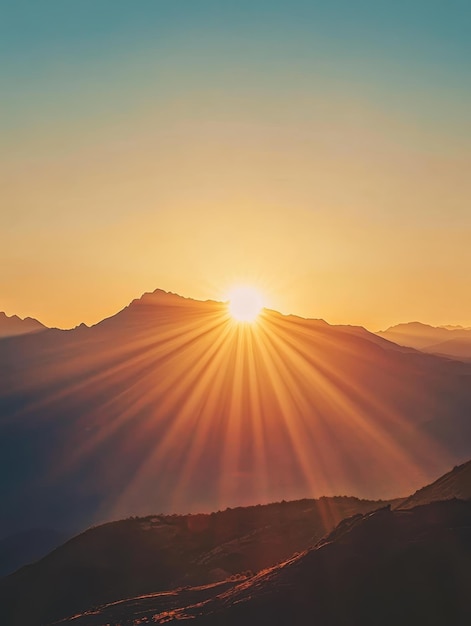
(14, 325)
(171, 406)
(452, 341)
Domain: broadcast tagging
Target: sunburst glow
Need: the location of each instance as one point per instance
(245, 304)
(226, 412)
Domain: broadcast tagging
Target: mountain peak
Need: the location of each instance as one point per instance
(11, 325)
(404, 326)
(166, 298)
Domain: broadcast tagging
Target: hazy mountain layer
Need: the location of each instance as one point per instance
(453, 341)
(172, 406)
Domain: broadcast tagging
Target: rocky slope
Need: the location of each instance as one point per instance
(388, 567)
(146, 555)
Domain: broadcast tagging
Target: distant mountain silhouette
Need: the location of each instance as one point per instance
(454, 484)
(455, 327)
(387, 567)
(145, 555)
(453, 341)
(14, 325)
(171, 406)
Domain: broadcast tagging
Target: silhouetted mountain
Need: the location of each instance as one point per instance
(361, 332)
(455, 327)
(171, 406)
(143, 555)
(455, 484)
(14, 325)
(454, 341)
(388, 567)
(27, 546)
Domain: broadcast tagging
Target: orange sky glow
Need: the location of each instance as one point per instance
(190, 153)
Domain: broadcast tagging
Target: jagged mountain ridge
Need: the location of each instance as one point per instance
(13, 325)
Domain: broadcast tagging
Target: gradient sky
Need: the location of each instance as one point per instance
(318, 150)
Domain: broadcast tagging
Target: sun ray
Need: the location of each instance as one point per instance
(207, 409)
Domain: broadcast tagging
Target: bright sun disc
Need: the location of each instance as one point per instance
(245, 304)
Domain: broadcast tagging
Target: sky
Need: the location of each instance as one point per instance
(317, 150)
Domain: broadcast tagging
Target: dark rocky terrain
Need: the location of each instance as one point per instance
(147, 555)
(408, 567)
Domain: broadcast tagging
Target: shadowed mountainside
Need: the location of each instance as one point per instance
(143, 555)
(451, 341)
(454, 484)
(172, 406)
(13, 325)
(388, 567)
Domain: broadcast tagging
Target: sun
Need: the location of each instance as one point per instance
(245, 304)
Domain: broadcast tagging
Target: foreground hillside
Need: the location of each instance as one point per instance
(143, 555)
(171, 406)
(388, 567)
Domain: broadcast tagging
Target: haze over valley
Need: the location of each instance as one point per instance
(225, 414)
